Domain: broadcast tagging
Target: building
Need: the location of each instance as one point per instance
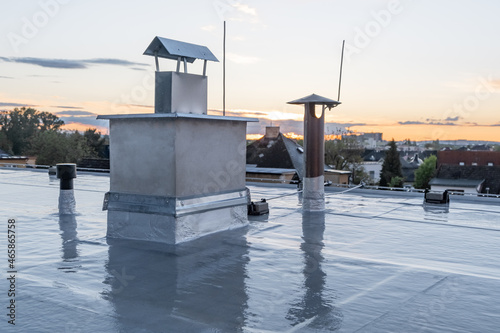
(469, 157)
(466, 186)
(468, 171)
(9, 160)
(373, 161)
(471, 179)
(272, 157)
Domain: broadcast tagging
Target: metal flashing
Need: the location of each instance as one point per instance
(171, 206)
(175, 115)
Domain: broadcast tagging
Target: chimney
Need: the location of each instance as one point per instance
(158, 190)
(272, 132)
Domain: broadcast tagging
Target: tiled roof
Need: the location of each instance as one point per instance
(491, 175)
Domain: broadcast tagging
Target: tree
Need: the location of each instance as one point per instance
(53, 147)
(5, 143)
(345, 154)
(425, 172)
(21, 125)
(95, 141)
(391, 168)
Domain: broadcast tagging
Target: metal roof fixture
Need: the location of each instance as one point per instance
(180, 92)
(313, 198)
(159, 192)
(182, 52)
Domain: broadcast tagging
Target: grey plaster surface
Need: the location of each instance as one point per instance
(375, 261)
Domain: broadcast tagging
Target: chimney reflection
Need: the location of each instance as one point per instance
(313, 309)
(68, 225)
(194, 287)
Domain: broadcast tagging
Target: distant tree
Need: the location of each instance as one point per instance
(53, 147)
(345, 154)
(5, 143)
(391, 167)
(409, 142)
(96, 141)
(359, 176)
(21, 125)
(396, 181)
(425, 172)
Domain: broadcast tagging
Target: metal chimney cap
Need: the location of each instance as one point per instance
(316, 99)
(173, 49)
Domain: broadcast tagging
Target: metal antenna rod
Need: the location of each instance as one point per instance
(224, 72)
(341, 63)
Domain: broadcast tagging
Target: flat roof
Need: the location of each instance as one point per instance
(274, 171)
(374, 261)
(456, 182)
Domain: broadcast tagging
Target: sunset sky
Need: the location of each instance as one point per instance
(422, 70)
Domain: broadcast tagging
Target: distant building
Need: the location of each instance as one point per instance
(272, 157)
(8, 160)
(468, 172)
(469, 158)
(469, 186)
(370, 140)
(373, 161)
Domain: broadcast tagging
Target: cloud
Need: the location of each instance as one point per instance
(51, 63)
(66, 107)
(35, 75)
(91, 121)
(208, 28)
(15, 104)
(5, 77)
(241, 59)
(411, 123)
(71, 64)
(74, 113)
(111, 61)
(452, 118)
(245, 9)
(427, 122)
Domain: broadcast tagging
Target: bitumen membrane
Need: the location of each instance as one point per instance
(374, 261)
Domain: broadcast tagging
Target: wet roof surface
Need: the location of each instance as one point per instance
(373, 262)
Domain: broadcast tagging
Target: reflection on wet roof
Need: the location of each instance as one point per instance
(375, 261)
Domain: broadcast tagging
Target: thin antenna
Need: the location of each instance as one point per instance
(341, 63)
(224, 72)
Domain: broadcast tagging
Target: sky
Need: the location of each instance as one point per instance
(422, 70)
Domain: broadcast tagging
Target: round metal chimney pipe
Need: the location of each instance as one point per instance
(313, 194)
(66, 172)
